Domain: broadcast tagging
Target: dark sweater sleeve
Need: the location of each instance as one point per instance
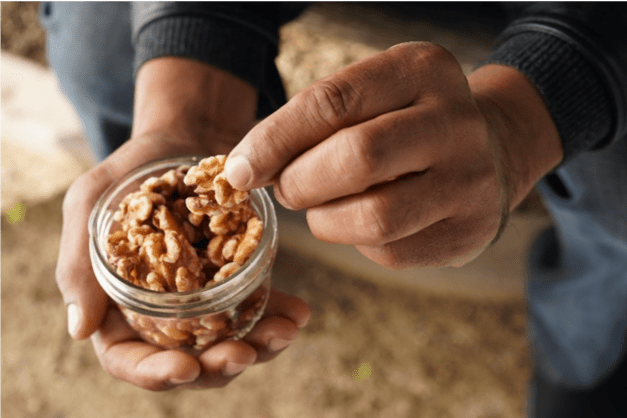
(241, 38)
(576, 55)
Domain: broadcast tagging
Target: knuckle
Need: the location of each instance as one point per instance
(363, 161)
(421, 64)
(390, 257)
(426, 52)
(289, 193)
(335, 100)
(373, 218)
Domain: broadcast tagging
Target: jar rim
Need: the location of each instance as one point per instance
(180, 303)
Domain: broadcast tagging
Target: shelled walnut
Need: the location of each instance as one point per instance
(184, 230)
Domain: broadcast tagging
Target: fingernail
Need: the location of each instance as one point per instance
(180, 381)
(231, 368)
(73, 319)
(189, 375)
(277, 344)
(238, 171)
(304, 321)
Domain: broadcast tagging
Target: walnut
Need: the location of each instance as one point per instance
(185, 281)
(227, 195)
(202, 175)
(156, 260)
(165, 220)
(225, 271)
(161, 339)
(203, 205)
(171, 330)
(168, 184)
(224, 222)
(192, 226)
(137, 235)
(208, 176)
(131, 269)
(179, 208)
(213, 323)
(117, 246)
(250, 240)
(137, 207)
(122, 251)
(195, 219)
(166, 254)
(234, 250)
(156, 282)
(214, 250)
(159, 185)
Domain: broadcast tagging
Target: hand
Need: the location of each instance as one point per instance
(125, 356)
(195, 124)
(404, 157)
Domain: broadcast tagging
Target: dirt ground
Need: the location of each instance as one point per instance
(429, 356)
(21, 32)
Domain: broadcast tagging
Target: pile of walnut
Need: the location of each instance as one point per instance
(184, 230)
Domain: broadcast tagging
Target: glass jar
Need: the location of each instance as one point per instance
(194, 320)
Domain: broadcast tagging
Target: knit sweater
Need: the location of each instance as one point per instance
(574, 53)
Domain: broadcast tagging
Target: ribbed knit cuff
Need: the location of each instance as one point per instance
(575, 95)
(233, 48)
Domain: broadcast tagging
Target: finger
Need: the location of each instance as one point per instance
(358, 157)
(139, 363)
(287, 306)
(85, 299)
(385, 213)
(222, 363)
(448, 243)
(270, 336)
(376, 85)
(283, 315)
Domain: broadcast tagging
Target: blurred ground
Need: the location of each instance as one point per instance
(21, 32)
(433, 352)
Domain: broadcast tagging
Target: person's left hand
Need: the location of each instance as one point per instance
(401, 157)
(173, 115)
(125, 356)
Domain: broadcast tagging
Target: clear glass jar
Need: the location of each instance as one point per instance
(195, 320)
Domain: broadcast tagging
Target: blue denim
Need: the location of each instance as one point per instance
(90, 50)
(577, 287)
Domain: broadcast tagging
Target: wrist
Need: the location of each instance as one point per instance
(526, 142)
(194, 102)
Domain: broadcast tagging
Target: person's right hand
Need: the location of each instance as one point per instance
(182, 107)
(404, 157)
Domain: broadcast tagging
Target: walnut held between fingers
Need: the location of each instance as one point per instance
(209, 176)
